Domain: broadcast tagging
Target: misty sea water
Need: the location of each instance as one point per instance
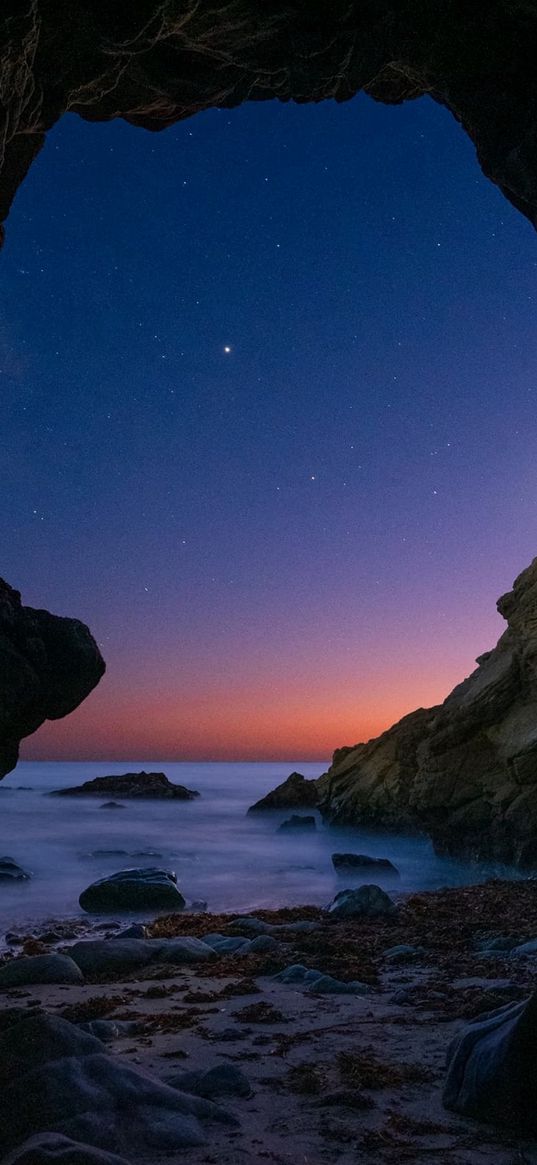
(220, 855)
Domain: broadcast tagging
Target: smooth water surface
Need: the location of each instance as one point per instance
(220, 855)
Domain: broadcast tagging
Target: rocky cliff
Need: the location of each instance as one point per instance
(48, 665)
(465, 771)
(155, 62)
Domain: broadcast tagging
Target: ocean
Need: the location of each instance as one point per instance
(221, 856)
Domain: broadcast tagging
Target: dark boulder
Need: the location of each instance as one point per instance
(48, 665)
(10, 871)
(53, 968)
(346, 863)
(297, 823)
(294, 793)
(114, 956)
(140, 889)
(56, 1078)
(129, 786)
(491, 1070)
(367, 902)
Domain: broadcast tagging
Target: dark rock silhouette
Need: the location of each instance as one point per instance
(466, 771)
(129, 785)
(10, 871)
(143, 889)
(155, 64)
(48, 665)
(367, 902)
(56, 1078)
(53, 968)
(357, 863)
(294, 793)
(491, 1068)
(296, 823)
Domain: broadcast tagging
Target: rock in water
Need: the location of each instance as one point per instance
(48, 665)
(11, 872)
(294, 793)
(145, 889)
(367, 902)
(466, 771)
(130, 785)
(491, 1073)
(56, 1078)
(344, 863)
(296, 822)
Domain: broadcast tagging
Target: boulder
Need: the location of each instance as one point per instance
(139, 889)
(294, 793)
(367, 902)
(465, 772)
(344, 863)
(112, 956)
(130, 786)
(318, 982)
(48, 665)
(491, 1068)
(222, 1080)
(295, 823)
(11, 872)
(111, 805)
(54, 1149)
(52, 968)
(116, 955)
(56, 1078)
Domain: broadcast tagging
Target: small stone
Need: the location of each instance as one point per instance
(529, 948)
(403, 953)
(366, 902)
(263, 944)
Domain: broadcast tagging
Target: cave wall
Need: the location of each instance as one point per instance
(155, 62)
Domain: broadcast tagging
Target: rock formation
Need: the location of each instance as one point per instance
(491, 1068)
(155, 62)
(294, 793)
(465, 771)
(48, 665)
(130, 786)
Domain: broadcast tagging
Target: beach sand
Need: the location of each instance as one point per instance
(346, 1078)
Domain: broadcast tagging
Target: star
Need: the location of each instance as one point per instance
(227, 349)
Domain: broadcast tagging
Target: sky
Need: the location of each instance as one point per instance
(269, 421)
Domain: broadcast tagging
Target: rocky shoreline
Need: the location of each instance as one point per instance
(297, 1068)
(463, 772)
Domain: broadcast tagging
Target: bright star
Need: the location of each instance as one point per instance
(227, 349)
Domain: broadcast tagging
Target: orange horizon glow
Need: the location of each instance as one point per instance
(237, 726)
